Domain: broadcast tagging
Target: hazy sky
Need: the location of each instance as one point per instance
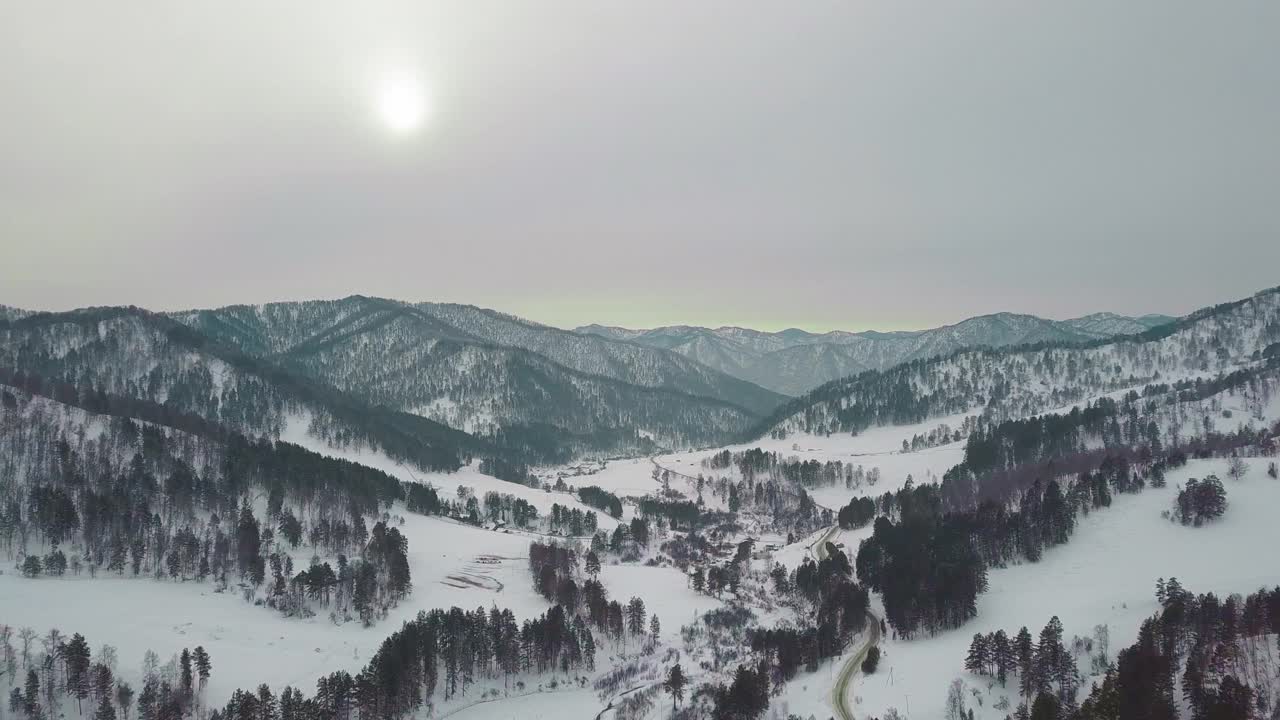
(846, 164)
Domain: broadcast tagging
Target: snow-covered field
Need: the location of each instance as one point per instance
(571, 702)
(1106, 575)
(451, 564)
(295, 431)
(628, 477)
(879, 447)
(665, 591)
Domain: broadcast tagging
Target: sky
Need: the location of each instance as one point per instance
(853, 164)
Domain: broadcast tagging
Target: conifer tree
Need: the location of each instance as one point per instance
(674, 685)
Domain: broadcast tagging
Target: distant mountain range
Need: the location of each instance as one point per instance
(492, 374)
(1201, 354)
(436, 384)
(792, 362)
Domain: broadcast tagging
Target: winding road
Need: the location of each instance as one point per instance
(821, 543)
(851, 667)
(840, 690)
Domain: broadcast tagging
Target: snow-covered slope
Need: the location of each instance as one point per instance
(1021, 381)
(1106, 576)
(1107, 324)
(794, 361)
(490, 373)
(138, 357)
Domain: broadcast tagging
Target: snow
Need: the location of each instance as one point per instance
(878, 447)
(295, 431)
(1106, 575)
(665, 591)
(793, 361)
(250, 644)
(1218, 342)
(545, 705)
(450, 563)
(632, 477)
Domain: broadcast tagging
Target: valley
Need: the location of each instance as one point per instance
(566, 360)
(760, 554)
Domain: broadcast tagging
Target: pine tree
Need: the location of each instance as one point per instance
(31, 695)
(1025, 652)
(1002, 656)
(674, 685)
(1173, 593)
(106, 711)
(203, 665)
(1232, 701)
(186, 678)
(124, 698)
(588, 649)
(1193, 684)
(75, 653)
(635, 616)
(266, 703)
(103, 682)
(1050, 657)
(1045, 707)
(979, 655)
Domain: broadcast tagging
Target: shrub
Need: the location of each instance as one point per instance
(32, 566)
(872, 661)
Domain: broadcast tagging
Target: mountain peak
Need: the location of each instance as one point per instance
(793, 361)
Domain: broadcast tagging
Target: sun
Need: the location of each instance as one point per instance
(402, 103)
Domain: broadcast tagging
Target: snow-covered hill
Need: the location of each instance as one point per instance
(794, 361)
(144, 363)
(404, 369)
(489, 373)
(1024, 380)
(317, 378)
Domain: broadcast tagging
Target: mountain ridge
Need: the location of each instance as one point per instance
(794, 361)
(1051, 374)
(492, 374)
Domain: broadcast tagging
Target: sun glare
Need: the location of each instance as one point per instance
(402, 104)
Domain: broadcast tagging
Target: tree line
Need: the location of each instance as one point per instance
(1220, 646)
(67, 667)
(839, 611)
(138, 499)
(438, 654)
(602, 499)
(555, 574)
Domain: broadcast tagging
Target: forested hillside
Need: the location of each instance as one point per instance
(494, 375)
(114, 495)
(795, 361)
(133, 355)
(141, 450)
(1026, 380)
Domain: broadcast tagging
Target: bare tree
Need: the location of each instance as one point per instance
(27, 636)
(9, 658)
(955, 700)
(1237, 468)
